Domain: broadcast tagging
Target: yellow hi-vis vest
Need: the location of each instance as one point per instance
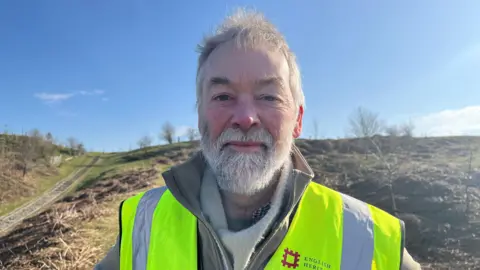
(329, 231)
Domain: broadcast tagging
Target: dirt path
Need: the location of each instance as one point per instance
(8, 221)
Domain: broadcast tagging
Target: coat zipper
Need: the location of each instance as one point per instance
(223, 257)
(256, 256)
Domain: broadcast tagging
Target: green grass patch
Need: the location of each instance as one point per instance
(109, 165)
(46, 183)
(114, 163)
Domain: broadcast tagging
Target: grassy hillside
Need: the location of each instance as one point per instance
(80, 228)
(115, 163)
(39, 183)
(31, 165)
(420, 180)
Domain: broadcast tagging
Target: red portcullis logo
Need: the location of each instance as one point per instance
(287, 258)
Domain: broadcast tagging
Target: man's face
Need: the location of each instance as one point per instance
(247, 117)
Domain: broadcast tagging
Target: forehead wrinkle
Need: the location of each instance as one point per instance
(245, 77)
(254, 84)
(268, 80)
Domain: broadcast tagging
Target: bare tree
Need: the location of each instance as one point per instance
(389, 155)
(391, 165)
(42, 148)
(407, 129)
(3, 144)
(81, 149)
(49, 137)
(37, 139)
(315, 129)
(47, 151)
(167, 133)
(6, 155)
(392, 131)
(192, 134)
(36, 134)
(27, 153)
(145, 142)
(365, 124)
(72, 144)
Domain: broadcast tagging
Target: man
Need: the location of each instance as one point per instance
(246, 200)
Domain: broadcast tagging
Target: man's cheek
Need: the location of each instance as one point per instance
(277, 131)
(215, 127)
(203, 127)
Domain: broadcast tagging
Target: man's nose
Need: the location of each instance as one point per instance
(245, 115)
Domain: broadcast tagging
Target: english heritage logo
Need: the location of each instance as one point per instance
(291, 259)
(287, 262)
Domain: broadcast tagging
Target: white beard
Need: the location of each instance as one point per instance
(244, 173)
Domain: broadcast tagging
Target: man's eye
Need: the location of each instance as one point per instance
(269, 98)
(222, 97)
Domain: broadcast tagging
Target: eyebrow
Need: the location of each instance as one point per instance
(218, 81)
(270, 80)
(260, 82)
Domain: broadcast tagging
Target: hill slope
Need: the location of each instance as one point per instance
(427, 190)
(425, 176)
(29, 165)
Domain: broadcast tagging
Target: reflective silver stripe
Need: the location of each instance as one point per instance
(142, 226)
(358, 242)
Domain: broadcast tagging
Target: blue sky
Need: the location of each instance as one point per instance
(119, 69)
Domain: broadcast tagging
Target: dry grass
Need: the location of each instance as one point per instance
(72, 249)
(94, 229)
(78, 231)
(21, 191)
(103, 231)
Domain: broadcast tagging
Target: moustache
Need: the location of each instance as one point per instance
(258, 135)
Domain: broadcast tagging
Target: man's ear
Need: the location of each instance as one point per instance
(298, 125)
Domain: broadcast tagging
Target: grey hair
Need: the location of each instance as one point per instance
(249, 29)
